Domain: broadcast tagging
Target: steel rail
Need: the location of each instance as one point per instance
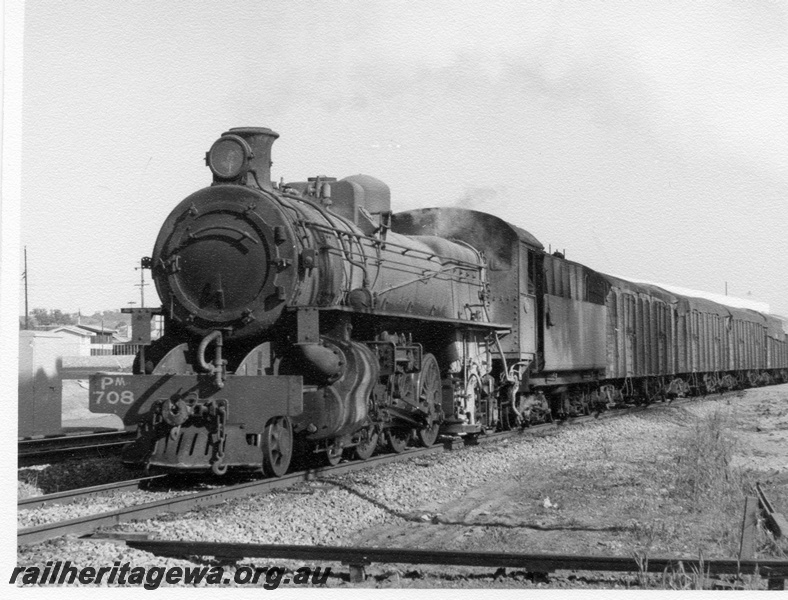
(533, 563)
(76, 439)
(38, 451)
(70, 496)
(184, 503)
(774, 520)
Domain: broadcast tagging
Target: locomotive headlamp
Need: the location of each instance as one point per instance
(229, 157)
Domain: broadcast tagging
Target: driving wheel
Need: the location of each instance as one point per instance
(429, 387)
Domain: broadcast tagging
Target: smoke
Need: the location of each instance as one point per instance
(482, 198)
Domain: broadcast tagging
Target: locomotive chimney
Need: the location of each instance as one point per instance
(260, 140)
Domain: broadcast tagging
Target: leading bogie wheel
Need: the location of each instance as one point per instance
(333, 455)
(364, 449)
(277, 446)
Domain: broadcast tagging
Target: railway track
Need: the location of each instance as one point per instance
(357, 559)
(186, 502)
(80, 494)
(60, 448)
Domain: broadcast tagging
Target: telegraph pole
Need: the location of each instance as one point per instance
(25, 276)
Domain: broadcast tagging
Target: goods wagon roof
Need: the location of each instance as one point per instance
(688, 303)
(755, 305)
(640, 288)
(623, 284)
(744, 314)
(658, 292)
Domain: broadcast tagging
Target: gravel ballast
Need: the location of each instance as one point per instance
(568, 491)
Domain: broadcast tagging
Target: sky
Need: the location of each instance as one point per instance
(645, 139)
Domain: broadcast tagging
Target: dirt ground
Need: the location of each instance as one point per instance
(763, 430)
(610, 488)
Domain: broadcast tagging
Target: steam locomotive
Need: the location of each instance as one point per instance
(306, 319)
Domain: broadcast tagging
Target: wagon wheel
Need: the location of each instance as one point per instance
(397, 440)
(367, 445)
(429, 387)
(333, 455)
(277, 446)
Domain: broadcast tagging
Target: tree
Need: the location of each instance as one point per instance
(41, 317)
(60, 318)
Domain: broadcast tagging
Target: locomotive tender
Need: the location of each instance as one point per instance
(308, 319)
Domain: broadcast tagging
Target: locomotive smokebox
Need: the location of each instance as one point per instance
(225, 257)
(243, 153)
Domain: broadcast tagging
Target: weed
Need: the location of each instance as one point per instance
(701, 488)
(643, 578)
(703, 473)
(27, 484)
(678, 578)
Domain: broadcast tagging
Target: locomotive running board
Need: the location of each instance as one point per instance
(384, 313)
